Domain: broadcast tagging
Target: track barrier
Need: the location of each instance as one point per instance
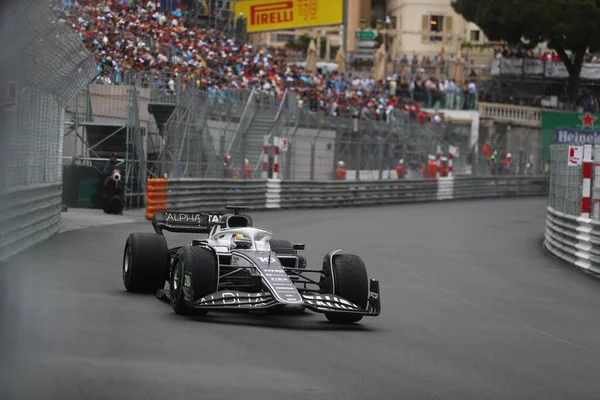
(270, 194)
(28, 216)
(573, 213)
(156, 196)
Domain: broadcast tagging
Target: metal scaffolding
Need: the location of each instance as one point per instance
(101, 124)
(199, 132)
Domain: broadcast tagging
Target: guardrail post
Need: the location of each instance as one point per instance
(438, 159)
(265, 166)
(312, 161)
(587, 181)
(358, 164)
(276, 158)
(596, 184)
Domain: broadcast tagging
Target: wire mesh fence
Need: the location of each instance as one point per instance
(211, 135)
(44, 66)
(565, 181)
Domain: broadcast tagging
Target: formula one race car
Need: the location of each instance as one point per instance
(241, 268)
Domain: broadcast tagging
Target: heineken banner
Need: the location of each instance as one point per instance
(569, 128)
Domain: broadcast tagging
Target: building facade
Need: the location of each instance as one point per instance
(410, 27)
(360, 13)
(425, 27)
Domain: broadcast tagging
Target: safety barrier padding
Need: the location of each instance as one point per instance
(156, 196)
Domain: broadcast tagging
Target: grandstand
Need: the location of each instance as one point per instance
(165, 77)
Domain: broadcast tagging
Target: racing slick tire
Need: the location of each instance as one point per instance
(283, 247)
(349, 281)
(201, 263)
(145, 262)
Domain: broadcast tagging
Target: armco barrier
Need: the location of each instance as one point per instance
(502, 186)
(309, 194)
(573, 239)
(202, 194)
(572, 217)
(28, 216)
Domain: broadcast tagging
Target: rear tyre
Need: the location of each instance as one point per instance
(282, 247)
(201, 264)
(346, 277)
(145, 262)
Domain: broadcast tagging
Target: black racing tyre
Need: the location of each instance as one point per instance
(301, 262)
(282, 247)
(350, 281)
(145, 262)
(201, 263)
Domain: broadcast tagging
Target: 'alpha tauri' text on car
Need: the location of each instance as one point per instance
(240, 267)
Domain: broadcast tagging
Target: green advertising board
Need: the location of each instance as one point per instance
(568, 128)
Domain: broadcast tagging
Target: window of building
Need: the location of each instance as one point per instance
(282, 37)
(475, 36)
(436, 28)
(436, 24)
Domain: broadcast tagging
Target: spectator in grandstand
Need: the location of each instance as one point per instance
(140, 37)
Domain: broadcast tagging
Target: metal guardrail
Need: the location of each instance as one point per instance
(573, 239)
(311, 194)
(46, 65)
(189, 194)
(194, 194)
(511, 186)
(573, 213)
(28, 216)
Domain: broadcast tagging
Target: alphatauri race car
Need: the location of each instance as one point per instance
(242, 268)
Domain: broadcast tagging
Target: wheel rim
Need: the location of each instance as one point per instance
(176, 280)
(127, 261)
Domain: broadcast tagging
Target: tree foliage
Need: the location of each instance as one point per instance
(568, 26)
(302, 42)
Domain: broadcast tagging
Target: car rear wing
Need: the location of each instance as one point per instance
(185, 222)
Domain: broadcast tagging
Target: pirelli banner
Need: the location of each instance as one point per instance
(277, 15)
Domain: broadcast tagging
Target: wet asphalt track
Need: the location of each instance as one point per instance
(472, 309)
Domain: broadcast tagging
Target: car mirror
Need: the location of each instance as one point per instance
(299, 246)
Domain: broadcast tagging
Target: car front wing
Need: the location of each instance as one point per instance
(317, 302)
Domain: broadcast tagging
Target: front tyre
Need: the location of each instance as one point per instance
(345, 275)
(195, 275)
(145, 262)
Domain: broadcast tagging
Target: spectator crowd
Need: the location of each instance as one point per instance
(128, 37)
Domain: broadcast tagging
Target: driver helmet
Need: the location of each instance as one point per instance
(241, 241)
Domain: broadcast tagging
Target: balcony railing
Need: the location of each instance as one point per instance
(507, 113)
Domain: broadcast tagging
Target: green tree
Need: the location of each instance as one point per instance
(568, 26)
(301, 43)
